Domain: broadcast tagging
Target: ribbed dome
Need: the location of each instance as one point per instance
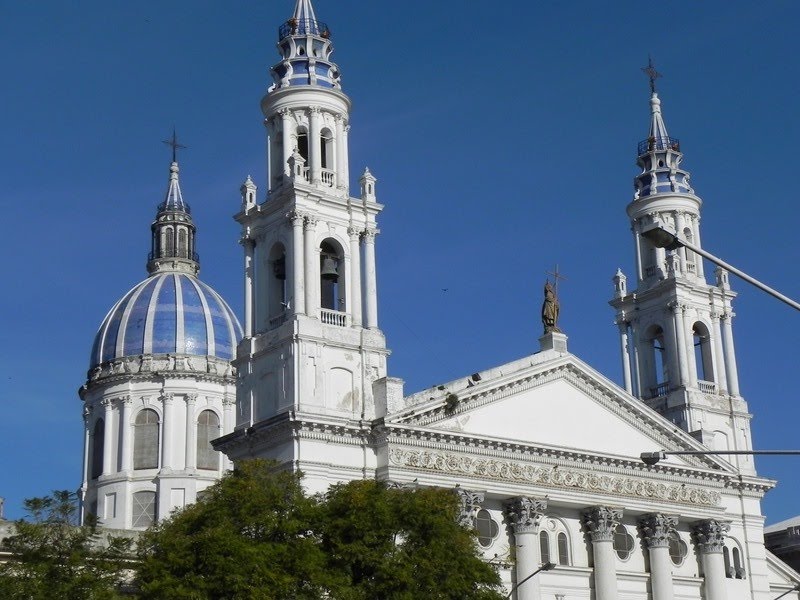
(168, 313)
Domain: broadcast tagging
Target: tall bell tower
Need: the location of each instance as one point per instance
(675, 328)
(312, 346)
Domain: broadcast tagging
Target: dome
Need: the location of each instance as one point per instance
(168, 313)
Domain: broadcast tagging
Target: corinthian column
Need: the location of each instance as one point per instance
(710, 539)
(525, 516)
(656, 531)
(297, 268)
(108, 431)
(600, 522)
(311, 258)
(355, 275)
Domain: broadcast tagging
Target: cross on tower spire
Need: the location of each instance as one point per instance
(652, 74)
(173, 142)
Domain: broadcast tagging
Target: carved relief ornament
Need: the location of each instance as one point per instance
(617, 485)
(601, 521)
(710, 535)
(470, 504)
(525, 514)
(657, 529)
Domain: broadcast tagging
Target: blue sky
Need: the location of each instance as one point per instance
(503, 136)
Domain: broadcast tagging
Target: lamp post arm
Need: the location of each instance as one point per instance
(737, 272)
(651, 458)
(545, 567)
(787, 592)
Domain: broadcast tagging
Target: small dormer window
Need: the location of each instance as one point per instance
(301, 50)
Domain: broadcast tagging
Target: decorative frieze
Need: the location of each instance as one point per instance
(162, 363)
(601, 522)
(710, 535)
(657, 529)
(618, 485)
(525, 514)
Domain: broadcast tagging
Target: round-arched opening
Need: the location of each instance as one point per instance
(655, 367)
(332, 276)
(703, 359)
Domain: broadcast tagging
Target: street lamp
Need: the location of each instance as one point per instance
(663, 238)
(651, 458)
(548, 566)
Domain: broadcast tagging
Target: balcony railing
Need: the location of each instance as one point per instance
(707, 387)
(277, 320)
(303, 27)
(662, 389)
(691, 267)
(659, 143)
(650, 271)
(334, 317)
(328, 177)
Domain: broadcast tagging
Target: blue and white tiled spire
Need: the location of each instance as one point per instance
(305, 47)
(173, 232)
(660, 157)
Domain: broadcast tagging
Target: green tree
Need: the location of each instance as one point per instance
(257, 536)
(54, 557)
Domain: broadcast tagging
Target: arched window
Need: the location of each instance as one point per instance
(656, 363)
(738, 569)
(726, 556)
(145, 440)
(207, 430)
(143, 509)
(183, 250)
(98, 442)
(563, 549)
(702, 352)
(487, 528)
(544, 546)
(691, 258)
(302, 143)
(332, 289)
(169, 246)
(276, 283)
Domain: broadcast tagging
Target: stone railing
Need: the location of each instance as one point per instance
(334, 317)
(328, 177)
(662, 389)
(707, 387)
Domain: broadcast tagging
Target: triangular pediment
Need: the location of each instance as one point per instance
(551, 400)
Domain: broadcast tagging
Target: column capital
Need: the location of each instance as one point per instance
(167, 398)
(709, 535)
(601, 521)
(657, 529)
(310, 222)
(469, 504)
(370, 234)
(191, 398)
(285, 112)
(228, 401)
(297, 217)
(354, 232)
(525, 514)
(107, 403)
(247, 241)
(314, 110)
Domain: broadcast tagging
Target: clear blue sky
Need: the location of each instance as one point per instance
(504, 139)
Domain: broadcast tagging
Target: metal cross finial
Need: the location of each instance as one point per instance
(651, 73)
(173, 141)
(556, 276)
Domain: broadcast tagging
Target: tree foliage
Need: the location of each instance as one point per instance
(54, 557)
(257, 536)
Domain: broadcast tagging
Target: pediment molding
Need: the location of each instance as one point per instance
(631, 411)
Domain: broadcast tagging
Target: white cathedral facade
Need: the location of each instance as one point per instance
(308, 385)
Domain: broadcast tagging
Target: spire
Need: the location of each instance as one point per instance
(173, 231)
(304, 12)
(305, 47)
(659, 155)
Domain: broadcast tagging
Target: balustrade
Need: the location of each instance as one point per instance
(707, 387)
(334, 317)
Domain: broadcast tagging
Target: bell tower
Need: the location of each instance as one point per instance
(675, 328)
(312, 346)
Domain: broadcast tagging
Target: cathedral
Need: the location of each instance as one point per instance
(177, 391)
